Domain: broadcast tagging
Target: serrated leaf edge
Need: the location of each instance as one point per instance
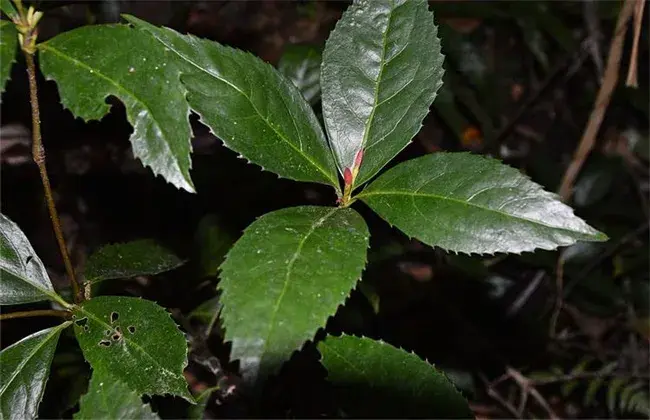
(55, 331)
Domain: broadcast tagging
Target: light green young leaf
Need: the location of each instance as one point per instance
(134, 341)
(250, 106)
(108, 398)
(137, 258)
(92, 63)
(381, 69)
(388, 381)
(467, 203)
(24, 369)
(24, 278)
(287, 274)
(301, 64)
(8, 45)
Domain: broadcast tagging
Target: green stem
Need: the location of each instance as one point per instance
(38, 154)
(38, 312)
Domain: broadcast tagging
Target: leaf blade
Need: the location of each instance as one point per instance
(8, 49)
(272, 126)
(467, 203)
(130, 259)
(419, 389)
(379, 78)
(284, 259)
(143, 348)
(140, 74)
(24, 277)
(301, 64)
(28, 359)
(111, 399)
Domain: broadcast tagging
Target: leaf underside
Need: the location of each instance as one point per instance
(250, 106)
(287, 274)
(381, 69)
(24, 278)
(388, 381)
(108, 398)
(8, 46)
(135, 341)
(92, 63)
(467, 203)
(137, 258)
(24, 369)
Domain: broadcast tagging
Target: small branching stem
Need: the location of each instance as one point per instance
(38, 312)
(38, 153)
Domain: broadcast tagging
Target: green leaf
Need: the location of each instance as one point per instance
(24, 278)
(134, 341)
(381, 69)
(249, 105)
(108, 398)
(24, 369)
(301, 64)
(207, 313)
(92, 63)
(467, 203)
(212, 242)
(388, 381)
(8, 45)
(8, 9)
(287, 274)
(137, 258)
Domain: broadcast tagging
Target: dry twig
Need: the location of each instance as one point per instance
(632, 70)
(602, 101)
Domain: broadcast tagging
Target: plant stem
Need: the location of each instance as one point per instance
(38, 312)
(38, 154)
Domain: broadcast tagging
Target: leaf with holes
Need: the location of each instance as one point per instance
(134, 341)
(108, 398)
(24, 369)
(287, 274)
(137, 258)
(24, 278)
(467, 203)
(301, 64)
(88, 68)
(388, 381)
(8, 46)
(381, 69)
(250, 106)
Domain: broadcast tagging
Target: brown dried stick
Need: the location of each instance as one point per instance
(602, 101)
(638, 21)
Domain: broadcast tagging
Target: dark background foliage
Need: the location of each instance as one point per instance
(521, 79)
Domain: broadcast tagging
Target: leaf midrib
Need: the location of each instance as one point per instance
(292, 261)
(236, 88)
(38, 347)
(363, 195)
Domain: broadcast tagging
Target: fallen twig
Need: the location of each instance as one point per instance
(632, 70)
(602, 101)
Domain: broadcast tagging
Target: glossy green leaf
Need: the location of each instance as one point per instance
(8, 49)
(24, 369)
(108, 398)
(287, 274)
(466, 203)
(24, 278)
(251, 107)
(134, 341)
(301, 64)
(137, 258)
(381, 69)
(92, 63)
(8, 8)
(388, 381)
